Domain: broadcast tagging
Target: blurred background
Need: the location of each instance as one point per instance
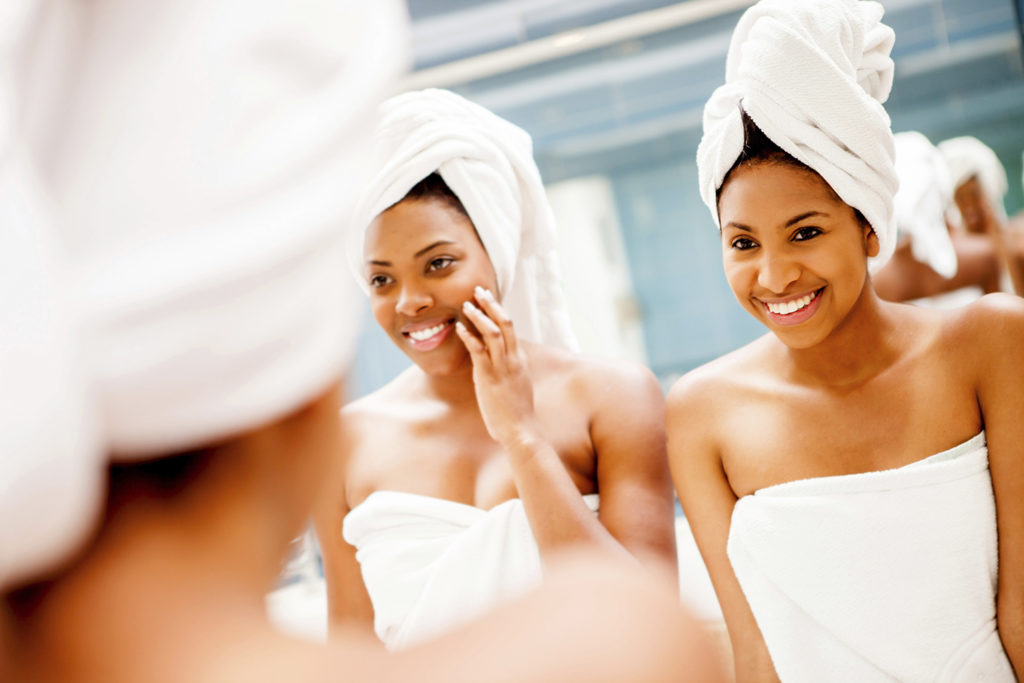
(612, 93)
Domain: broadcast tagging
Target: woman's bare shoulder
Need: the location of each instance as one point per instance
(710, 386)
(591, 378)
(994, 324)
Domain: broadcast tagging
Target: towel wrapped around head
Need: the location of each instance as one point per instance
(925, 194)
(812, 75)
(488, 163)
(968, 157)
(175, 234)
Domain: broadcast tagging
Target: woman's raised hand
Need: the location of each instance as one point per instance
(504, 391)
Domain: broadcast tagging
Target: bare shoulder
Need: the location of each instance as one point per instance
(597, 381)
(994, 324)
(710, 388)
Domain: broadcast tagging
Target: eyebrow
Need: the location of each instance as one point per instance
(419, 253)
(791, 221)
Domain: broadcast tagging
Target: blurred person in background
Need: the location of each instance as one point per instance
(980, 185)
(933, 264)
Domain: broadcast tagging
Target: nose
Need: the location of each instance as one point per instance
(413, 300)
(776, 272)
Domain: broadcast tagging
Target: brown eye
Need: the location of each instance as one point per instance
(440, 263)
(378, 281)
(804, 234)
(743, 243)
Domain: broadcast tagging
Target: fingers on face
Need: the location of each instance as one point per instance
(490, 333)
(474, 345)
(489, 304)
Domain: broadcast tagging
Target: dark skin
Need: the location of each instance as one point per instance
(904, 278)
(500, 419)
(793, 404)
(982, 218)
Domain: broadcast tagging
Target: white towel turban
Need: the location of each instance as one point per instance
(174, 178)
(967, 157)
(488, 163)
(925, 194)
(812, 75)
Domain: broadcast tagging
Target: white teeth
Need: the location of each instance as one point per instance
(420, 335)
(787, 307)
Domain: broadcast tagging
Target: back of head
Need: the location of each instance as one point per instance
(195, 259)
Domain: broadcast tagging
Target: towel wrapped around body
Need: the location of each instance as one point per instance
(431, 564)
(880, 576)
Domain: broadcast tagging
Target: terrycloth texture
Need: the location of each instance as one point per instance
(488, 163)
(968, 156)
(812, 75)
(173, 180)
(925, 194)
(431, 564)
(882, 576)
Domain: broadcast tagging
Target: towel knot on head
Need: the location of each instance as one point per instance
(488, 163)
(812, 75)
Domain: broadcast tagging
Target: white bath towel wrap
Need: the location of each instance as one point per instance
(812, 75)
(488, 163)
(882, 576)
(431, 564)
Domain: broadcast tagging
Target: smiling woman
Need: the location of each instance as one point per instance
(499, 447)
(856, 471)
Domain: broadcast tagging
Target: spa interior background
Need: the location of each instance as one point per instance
(612, 93)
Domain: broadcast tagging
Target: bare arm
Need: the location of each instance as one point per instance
(628, 432)
(999, 320)
(905, 278)
(708, 502)
(631, 475)
(348, 602)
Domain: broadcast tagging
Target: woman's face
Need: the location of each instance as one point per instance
(423, 260)
(795, 255)
(974, 206)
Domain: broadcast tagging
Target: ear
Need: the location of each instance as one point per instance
(871, 244)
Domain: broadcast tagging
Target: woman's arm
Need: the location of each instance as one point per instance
(708, 502)
(628, 433)
(999, 351)
(905, 278)
(348, 603)
(556, 511)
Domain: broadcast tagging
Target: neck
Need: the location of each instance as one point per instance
(455, 388)
(864, 344)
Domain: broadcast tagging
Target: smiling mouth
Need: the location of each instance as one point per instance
(790, 307)
(428, 332)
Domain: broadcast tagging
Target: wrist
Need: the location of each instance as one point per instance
(524, 441)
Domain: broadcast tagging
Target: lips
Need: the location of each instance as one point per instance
(794, 310)
(428, 335)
